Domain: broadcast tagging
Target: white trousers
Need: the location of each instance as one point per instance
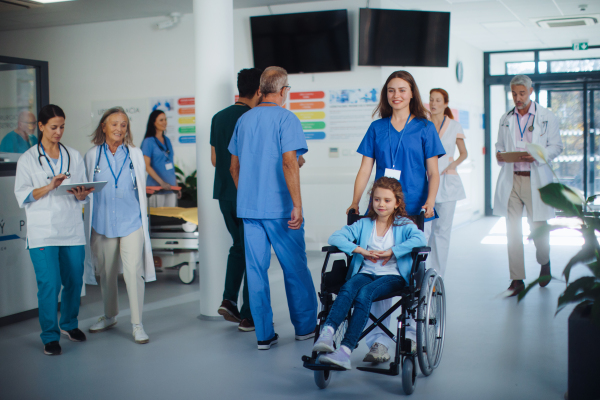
(380, 307)
(439, 241)
(129, 250)
(163, 200)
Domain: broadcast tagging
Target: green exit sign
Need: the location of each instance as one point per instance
(580, 46)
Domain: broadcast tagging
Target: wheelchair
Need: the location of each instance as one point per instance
(424, 299)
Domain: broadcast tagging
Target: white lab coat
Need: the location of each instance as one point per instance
(54, 219)
(546, 134)
(451, 187)
(139, 165)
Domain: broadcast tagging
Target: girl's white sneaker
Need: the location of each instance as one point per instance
(139, 334)
(325, 341)
(338, 357)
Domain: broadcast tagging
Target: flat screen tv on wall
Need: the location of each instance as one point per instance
(302, 43)
(403, 38)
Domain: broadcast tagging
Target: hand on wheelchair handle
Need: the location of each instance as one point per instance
(353, 209)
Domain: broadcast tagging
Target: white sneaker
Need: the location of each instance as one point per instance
(139, 334)
(377, 354)
(104, 323)
(325, 341)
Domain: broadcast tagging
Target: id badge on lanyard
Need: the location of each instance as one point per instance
(393, 172)
(168, 166)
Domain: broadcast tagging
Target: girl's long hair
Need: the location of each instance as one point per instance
(150, 128)
(416, 107)
(444, 94)
(394, 185)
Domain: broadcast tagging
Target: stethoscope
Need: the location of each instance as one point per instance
(97, 169)
(163, 149)
(40, 155)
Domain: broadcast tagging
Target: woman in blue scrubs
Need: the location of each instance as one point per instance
(404, 145)
(159, 156)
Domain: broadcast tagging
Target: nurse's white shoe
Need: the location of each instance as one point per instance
(104, 323)
(139, 334)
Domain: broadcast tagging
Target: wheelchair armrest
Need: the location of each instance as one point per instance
(423, 249)
(331, 249)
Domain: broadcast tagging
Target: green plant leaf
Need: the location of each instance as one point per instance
(552, 194)
(576, 291)
(586, 253)
(178, 170)
(595, 268)
(533, 284)
(591, 199)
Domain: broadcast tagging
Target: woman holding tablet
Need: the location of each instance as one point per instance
(451, 188)
(117, 221)
(159, 156)
(55, 232)
(404, 145)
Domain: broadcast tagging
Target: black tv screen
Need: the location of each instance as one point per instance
(403, 38)
(302, 43)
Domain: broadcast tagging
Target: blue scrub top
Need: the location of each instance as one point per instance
(260, 138)
(14, 143)
(420, 142)
(116, 210)
(153, 148)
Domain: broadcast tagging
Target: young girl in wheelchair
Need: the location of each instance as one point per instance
(381, 265)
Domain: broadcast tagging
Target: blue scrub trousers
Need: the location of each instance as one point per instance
(55, 266)
(290, 248)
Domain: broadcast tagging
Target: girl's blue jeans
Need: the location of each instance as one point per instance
(360, 291)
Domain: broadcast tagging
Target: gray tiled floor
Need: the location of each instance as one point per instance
(495, 348)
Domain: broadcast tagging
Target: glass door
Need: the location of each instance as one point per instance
(576, 106)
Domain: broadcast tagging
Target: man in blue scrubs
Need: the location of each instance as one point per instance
(265, 146)
(22, 138)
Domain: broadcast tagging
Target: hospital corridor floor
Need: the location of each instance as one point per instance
(495, 348)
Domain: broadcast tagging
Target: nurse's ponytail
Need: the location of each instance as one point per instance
(46, 114)
(447, 111)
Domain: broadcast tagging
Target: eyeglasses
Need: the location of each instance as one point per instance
(287, 86)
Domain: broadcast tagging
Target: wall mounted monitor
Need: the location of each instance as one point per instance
(403, 38)
(302, 43)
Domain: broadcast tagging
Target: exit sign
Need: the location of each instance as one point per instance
(580, 46)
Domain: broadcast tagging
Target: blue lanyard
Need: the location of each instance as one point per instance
(166, 151)
(395, 155)
(442, 125)
(48, 161)
(519, 122)
(109, 166)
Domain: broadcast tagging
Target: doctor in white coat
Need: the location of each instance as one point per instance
(117, 222)
(518, 183)
(55, 237)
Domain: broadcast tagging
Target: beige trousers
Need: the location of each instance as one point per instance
(521, 196)
(130, 249)
(163, 200)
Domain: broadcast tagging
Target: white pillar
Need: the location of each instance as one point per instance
(213, 22)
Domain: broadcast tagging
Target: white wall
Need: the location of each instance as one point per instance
(117, 61)
(128, 60)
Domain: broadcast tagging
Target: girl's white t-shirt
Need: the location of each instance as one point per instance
(380, 243)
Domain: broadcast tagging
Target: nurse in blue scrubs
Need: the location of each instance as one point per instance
(402, 144)
(159, 158)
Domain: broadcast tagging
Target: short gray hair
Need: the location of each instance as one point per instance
(521, 80)
(272, 80)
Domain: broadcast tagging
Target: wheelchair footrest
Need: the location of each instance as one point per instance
(312, 364)
(393, 370)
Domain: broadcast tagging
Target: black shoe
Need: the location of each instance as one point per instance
(515, 288)
(545, 273)
(52, 349)
(74, 335)
(229, 311)
(247, 325)
(266, 344)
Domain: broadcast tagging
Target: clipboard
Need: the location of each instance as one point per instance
(62, 189)
(513, 156)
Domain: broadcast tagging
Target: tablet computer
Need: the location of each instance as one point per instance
(62, 189)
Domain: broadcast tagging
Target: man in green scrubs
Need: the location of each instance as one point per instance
(221, 131)
(22, 138)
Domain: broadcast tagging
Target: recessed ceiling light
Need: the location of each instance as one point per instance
(50, 1)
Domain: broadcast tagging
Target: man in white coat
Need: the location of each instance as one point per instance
(518, 182)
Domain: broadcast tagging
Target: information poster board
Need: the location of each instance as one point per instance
(181, 118)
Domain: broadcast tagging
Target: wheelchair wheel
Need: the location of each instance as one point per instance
(322, 378)
(409, 376)
(431, 322)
